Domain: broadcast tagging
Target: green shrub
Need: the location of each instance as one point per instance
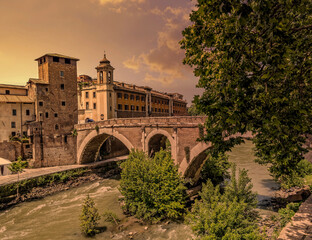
(226, 216)
(304, 168)
(89, 217)
(111, 217)
(216, 168)
(152, 187)
(285, 214)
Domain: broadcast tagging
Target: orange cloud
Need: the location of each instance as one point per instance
(116, 2)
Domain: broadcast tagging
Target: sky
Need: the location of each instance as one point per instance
(140, 38)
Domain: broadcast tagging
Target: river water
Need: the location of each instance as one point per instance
(57, 216)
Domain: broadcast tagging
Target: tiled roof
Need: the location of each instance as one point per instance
(37, 81)
(13, 86)
(57, 55)
(15, 98)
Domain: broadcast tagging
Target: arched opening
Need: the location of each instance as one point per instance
(195, 166)
(102, 147)
(156, 143)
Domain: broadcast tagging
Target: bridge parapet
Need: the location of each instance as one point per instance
(130, 122)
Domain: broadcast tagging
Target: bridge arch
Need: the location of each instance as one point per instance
(161, 132)
(90, 146)
(190, 168)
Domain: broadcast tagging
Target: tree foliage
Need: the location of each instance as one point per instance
(216, 168)
(253, 59)
(89, 217)
(152, 187)
(226, 216)
(18, 167)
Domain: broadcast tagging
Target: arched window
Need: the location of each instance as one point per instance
(109, 77)
(101, 77)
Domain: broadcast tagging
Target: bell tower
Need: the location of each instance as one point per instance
(104, 90)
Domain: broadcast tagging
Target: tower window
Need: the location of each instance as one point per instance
(14, 112)
(47, 89)
(109, 77)
(62, 73)
(94, 105)
(62, 87)
(56, 59)
(119, 107)
(63, 103)
(55, 115)
(41, 104)
(67, 61)
(13, 125)
(56, 127)
(27, 112)
(101, 77)
(47, 115)
(87, 94)
(65, 139)
(7, 92)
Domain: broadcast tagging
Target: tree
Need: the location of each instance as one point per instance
(18, 167)
(89, 217)
(152, 187)
(225, 216)
(253, 59)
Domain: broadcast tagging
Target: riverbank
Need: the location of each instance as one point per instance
(42, 186)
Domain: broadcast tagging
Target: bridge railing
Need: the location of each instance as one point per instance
(145, 121)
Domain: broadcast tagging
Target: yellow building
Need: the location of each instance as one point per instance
(16, 109)
(104, 98)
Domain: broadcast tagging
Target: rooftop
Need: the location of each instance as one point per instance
(12, 86)
(57, 55)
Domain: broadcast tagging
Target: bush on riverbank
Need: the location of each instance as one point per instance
(26, 185)
(152, 187)
(89, 217)
(228, 215)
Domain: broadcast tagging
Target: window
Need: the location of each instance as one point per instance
(137, 98)
(131, 97)
(14, 112)
(155, 109)
(7, 92)
(63, 103)
(62, 73)
(126, 96)
(126, 107)
(41, 104)
(67, 61)
(119, 95)
(101, 77)
(62, 86)
(65, 139)
(87, 105)
(55, 115)
(94, 105)
(110, 108)
(27, 146)
(94, 94)
(13, 125)
(152, 109)
(143, 99)
(56, 127)
(119, 107)
(110, 95)
(109, 75)
(47, 89)
(143, 109)
(13, 134)
(56, 59)
(132, 108)
(27, 112)
(87, 94)
(137, 108)
(47, 115)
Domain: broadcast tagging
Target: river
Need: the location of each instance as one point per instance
(57, 216)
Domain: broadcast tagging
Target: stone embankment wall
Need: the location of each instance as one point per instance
(300, 228)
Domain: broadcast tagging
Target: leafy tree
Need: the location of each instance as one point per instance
(225, 216)
(253, 59)
(216, 168)
(193, 111)
(152, 187)
(89, 217)
(18, 167)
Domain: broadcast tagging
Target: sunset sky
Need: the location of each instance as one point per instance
(140, 38)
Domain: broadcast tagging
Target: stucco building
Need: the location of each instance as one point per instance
(104, 98)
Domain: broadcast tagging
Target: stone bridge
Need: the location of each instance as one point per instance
(115, 137)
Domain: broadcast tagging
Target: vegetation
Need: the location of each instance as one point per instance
(193, 111)
(253, 59)
(27, 185)
(89, 217)
(216, 168)
(18, 167)
(230, 215)
(152, 187)
(111, 217)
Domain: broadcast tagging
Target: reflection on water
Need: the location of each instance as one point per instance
(57, 216)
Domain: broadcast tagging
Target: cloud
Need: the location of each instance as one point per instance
(164, 62)
(116, 2)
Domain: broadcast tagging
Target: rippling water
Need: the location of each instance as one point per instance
(57, 216)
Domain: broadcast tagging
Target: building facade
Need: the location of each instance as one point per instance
(104, 98)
